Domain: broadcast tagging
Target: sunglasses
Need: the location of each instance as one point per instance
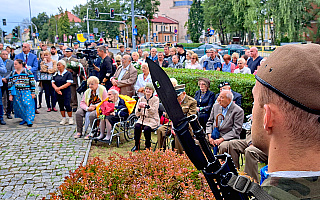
(193, 58)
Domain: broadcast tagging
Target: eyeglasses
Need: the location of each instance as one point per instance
(24, 46)
(193, 58)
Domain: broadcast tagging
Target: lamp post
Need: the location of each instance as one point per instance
(31, 24)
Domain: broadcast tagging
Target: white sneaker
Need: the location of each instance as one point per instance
(63, 121)
(70, 121)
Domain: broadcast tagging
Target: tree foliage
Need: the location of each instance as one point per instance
(195, 21)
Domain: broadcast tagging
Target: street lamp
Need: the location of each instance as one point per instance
(30, 22)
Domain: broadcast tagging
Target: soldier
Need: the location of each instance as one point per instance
(286, 121)
(189, 107)
(68, 58)
(75, 48)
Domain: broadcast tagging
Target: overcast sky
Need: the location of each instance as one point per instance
(17, 10)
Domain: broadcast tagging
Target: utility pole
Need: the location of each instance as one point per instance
(31, 24)
(132, 27)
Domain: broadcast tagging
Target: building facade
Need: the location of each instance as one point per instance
(179, 11)
(165, 29)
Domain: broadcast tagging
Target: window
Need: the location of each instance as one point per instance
(156, 27)
(170, 28)
(182, 3)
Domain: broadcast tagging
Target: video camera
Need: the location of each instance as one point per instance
(90, 54)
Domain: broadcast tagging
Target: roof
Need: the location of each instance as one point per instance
(165, 20)
(72, 17)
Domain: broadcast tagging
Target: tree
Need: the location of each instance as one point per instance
(195, 21)
(41, 21)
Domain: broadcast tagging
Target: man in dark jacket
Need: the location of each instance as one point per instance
(236, 96)
(106, 71)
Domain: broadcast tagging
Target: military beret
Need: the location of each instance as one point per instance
(69, 50)
(293, 72)
(179, 89)
(75, 43)
(121, 46)
(225, 83)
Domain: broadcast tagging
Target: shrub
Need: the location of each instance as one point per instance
(191, 45)
(241, 83)
(144, 175)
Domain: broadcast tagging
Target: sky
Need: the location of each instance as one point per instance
(17, 10)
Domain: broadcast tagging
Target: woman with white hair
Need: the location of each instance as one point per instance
(147, 111)
(94, 95)
(61, 82)
(110, 120)
(142, 79)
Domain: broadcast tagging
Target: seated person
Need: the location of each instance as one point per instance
(147, 111)
(230, 127)
(205, 100)
(252, 155)
(236, 96)
(189, 107)
(109, 121)
(142, 79)
(125, 77)
(91, 98)
(175, 62)
(242, 68)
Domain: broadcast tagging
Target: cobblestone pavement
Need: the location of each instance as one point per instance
(34, 161)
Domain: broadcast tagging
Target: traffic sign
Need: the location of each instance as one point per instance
(70, 37)
(95, 30)
(65, 39)
(34, 34)
(134, 31)
(154, 34)
(212, 32)
(37, 34)
(175, 31)
(117, 37)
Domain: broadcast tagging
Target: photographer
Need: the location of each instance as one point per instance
(147, 111)
(105, 69)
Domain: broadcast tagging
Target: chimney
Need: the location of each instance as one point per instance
(155, 15)
(163, 15)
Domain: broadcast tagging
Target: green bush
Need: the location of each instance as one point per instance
(191, 45)
(241, 83)
(143, 175)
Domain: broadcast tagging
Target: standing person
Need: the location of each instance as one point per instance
(54, 54)
(194, 64)
(106, 70)
(166, 52)
(242, 67)
(11, 53)
(3, 70)
(1, 47)
(43, 47)
(22, 92)
(121, 52)
(140, 53)
(75, 74)
(254, 60)
(142, 80)
(205, 100)
(175, 62)
(125, 77)
(5, 78)
(75, 48)
(61, 83)
(228, 66)
(161, 61)
(153, 55)
(173, 51)
(181, 53)
(60, 51)
(205, 57)
(31, 64)
(286, 123)
(49, 68)
(213, 62)
(147, 111)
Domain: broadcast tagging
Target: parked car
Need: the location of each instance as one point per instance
(232, 48)
(168, 44)
(147, 44)
(159, 44)
(201, 50)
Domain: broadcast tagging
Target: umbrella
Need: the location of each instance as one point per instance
(216, 134)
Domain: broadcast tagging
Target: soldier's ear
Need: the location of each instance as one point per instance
(268, 118)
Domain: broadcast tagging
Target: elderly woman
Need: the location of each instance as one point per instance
(147, 111)
(234, 58)
(173, 51)
(194, 62)
(61, 82)
(91, 98)
(145, 56)
(142, 79)
(47, 68)
(110, 120)
(135, 60)
(205, 100)
(22, 92)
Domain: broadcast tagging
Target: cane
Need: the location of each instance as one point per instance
(144, 113)
(215, 133)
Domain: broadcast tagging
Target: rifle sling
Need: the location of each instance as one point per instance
(243, 184)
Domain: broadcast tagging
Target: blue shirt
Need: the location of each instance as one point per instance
(154, 59)
(224, 111)
(226, 67)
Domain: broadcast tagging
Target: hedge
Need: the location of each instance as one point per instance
(241, 83)
(191, 45)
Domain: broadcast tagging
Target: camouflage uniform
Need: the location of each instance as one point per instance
(292, 188)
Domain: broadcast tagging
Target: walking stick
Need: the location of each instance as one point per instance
(143, 116)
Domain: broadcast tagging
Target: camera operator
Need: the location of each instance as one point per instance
(106, 70)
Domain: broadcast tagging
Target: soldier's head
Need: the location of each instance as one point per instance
(76, 45)
(180, 91)
(286, 111)
(69, 52)
(121, 48)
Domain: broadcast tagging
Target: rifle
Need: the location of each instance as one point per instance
(223, 178)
